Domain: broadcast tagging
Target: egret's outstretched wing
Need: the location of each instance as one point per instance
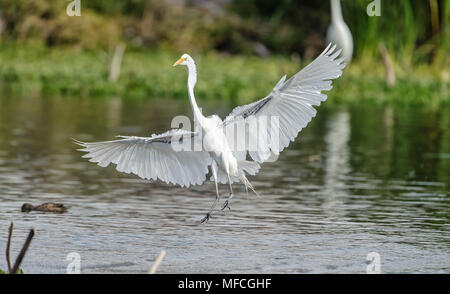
(152, 158)
(290, 102)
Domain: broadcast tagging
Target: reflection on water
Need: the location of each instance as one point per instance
(357, 180)
(336, 163)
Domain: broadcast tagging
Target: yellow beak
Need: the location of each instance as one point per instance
(179, 61)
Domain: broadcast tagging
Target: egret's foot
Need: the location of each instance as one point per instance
(206, 218)
(225, 205)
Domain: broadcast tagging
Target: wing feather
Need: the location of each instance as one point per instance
(152, 157)
(291, 102)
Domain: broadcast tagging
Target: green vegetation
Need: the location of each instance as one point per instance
(20, 272)
(238, 79)
(143, 74)
(413, 31)
(45, 52)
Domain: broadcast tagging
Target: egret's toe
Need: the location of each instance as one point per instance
(206, 218)
(225, 205)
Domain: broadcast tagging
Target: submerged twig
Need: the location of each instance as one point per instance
(8, 246)
(15, 268)
(157, 262)
(22, 252)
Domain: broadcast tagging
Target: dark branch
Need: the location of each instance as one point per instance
(8, 245)
(22, 252)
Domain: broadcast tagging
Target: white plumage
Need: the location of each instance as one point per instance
(151, 158)
(292, 102)
(338, 31)
(289, 105)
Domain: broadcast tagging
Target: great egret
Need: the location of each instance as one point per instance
(338, 31)
(291, 102)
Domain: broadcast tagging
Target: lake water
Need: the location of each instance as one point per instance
(357, 180)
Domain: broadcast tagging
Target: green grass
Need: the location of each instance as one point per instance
(237, 79)
(20, 272)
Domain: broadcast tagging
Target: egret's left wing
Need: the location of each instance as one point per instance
(281, 115)
(154, 157)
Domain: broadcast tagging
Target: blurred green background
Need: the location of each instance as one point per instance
(242, 47)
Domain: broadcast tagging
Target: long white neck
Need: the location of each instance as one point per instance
(336, 11)
(191, 81)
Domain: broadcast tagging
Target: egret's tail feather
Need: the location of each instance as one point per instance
(248, 185)
(250, 168)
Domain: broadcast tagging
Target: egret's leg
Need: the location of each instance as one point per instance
(225, 205)
(214, 173)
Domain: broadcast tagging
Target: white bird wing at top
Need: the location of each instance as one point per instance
(291, 101)
(152, 157)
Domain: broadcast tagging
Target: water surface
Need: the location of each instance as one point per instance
(357, 180)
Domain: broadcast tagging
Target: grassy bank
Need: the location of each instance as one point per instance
(238, 79)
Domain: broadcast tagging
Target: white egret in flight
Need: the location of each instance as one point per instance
(338, 31)
(291, 102)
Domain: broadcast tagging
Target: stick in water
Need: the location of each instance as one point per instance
(157, 262)
(8, 245)
(22, 252)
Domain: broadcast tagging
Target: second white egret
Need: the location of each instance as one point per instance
(338, 31)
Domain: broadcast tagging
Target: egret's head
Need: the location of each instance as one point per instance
(183, 60)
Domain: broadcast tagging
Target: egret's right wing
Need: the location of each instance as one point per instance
(152, 157)
(271, 123)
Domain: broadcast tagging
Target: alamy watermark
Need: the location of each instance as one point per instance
(374, 263)
(74, 8)
(74, 266)
(374, 8)
(259, 134)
